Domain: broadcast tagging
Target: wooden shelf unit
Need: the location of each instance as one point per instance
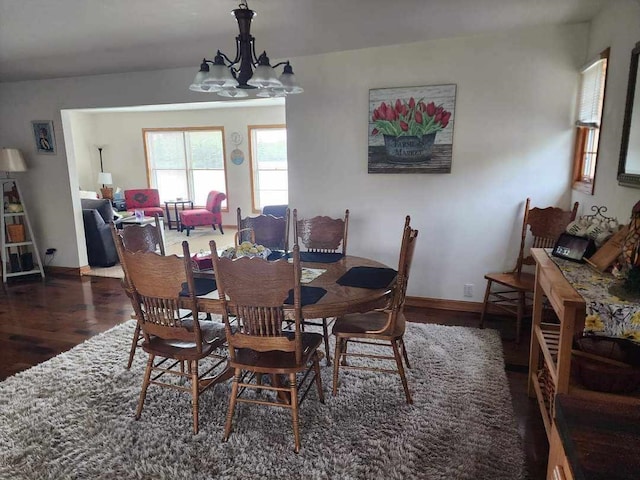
(551, 344)
(26, 246)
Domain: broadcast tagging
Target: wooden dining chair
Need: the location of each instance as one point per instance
(379, 327)
(159, 286)
(267, 230)
(513, 289)
(254, 291)
(322, 234)
(140, 238)
(143, 238)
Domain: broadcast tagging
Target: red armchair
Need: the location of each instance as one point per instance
(145, 199)
(211, 215)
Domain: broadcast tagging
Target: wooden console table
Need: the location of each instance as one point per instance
(551, 343)
(594, 439)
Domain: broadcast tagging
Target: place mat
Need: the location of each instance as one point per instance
(367, 277)
(310, 274)
(277, 255)
(203, 286)
(320, 257)
(308, 295)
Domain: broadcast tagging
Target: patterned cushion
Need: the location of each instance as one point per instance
(141, 198)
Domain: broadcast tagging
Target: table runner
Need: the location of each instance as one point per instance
(607, 315)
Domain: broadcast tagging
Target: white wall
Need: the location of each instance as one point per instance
(120, 134)
(617, 27)
(513, 139)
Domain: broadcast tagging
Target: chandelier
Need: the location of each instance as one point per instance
(231, 78)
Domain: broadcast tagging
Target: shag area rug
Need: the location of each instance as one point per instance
(72, 418)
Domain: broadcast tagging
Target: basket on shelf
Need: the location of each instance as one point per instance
(545, 381)
(607, 364)
(15, 233)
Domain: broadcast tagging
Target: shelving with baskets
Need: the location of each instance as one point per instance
(20, 254)
(552, 353)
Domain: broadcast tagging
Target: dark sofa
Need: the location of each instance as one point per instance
(97, 215)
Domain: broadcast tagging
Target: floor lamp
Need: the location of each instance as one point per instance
(105, 179)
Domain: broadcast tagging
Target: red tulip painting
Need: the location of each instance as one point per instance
(411, 129)
(409, 118)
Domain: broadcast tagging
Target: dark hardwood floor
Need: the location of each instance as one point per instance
(40, 319)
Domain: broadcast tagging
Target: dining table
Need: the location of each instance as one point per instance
(339, 299)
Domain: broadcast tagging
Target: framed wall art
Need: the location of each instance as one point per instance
(44, 136)
(411, 129)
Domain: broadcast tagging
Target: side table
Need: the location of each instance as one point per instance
(175, 204)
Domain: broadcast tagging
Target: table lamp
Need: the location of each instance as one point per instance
(11, 160)
(105, 179)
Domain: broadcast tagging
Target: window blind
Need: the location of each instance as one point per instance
(592, 93)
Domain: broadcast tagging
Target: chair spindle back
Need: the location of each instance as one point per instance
(269, 231)
(254, 290)
(155, 283)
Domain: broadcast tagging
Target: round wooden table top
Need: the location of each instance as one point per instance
(339, 299)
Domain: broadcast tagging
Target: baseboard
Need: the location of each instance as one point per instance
(454, 305)
(66, 271)
(443, 304)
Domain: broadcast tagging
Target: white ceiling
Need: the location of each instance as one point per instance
(59, 38)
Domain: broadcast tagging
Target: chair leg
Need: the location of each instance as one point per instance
(325, 332)
(194, 393)
(316, 368)
(188, 230)
(214, 226)
(521, 307)
(403, 377)
(220, 227)
(134, 344)
(145, 385)
(336, 365)
(344, 351)
(485, 303)
(404, 352)
(294, 411)
(232, 404)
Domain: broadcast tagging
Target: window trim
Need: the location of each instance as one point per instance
(189, 129)
(578, 182)
(250, 129)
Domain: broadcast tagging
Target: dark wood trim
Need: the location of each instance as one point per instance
(625, 179)
(443, 304)
(450, 305)
(67, 271)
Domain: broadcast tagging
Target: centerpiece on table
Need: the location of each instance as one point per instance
(409, 128)
(247, 249)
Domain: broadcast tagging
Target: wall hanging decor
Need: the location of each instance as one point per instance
(44, 137)
(411, 129)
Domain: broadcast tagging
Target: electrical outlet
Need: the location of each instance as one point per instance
(50, 251)
(468, 289)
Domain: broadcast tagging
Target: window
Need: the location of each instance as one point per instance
(186, 163)
(593, 82)
(269, 176)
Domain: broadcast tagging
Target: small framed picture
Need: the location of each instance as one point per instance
(44, 137)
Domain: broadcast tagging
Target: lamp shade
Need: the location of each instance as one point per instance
(11, 160)
(105, 178)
